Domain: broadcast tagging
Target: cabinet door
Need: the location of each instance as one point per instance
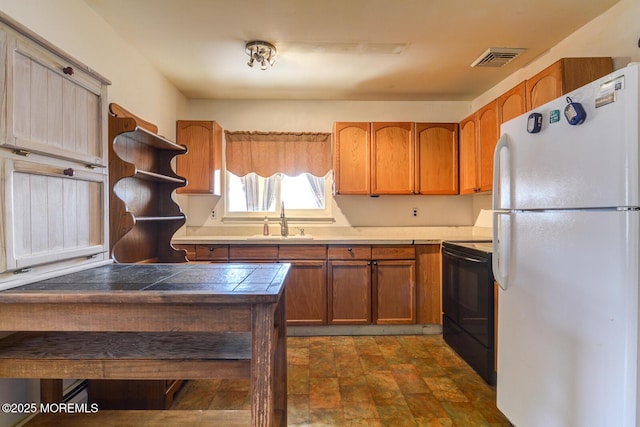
(349, 292)
(563, 76)
(52, 107)
(437, 156)
(488, 134)
(395, 289)
(306, 293)
(544, 86)
(352, 158)
(392, 158)
(52, 213)
(202, 164)
(512, 104)
(468, 154)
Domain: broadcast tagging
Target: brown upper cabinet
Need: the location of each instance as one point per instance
(468, 148)
(563, 76)
(392, 158)
(352, 158)
(512, 103)
(202, 165)
(437, 158)
(480, 131)
(478, 137)
(374, 158)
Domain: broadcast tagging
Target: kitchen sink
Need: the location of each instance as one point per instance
(280, 238)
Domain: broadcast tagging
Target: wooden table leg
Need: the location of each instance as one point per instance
(263, 343)
(280, 366)
(51, 391)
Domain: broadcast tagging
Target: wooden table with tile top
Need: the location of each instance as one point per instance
(153, 321)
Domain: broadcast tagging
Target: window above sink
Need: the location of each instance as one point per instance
(254, 196)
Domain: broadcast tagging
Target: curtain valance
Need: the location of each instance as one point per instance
(267, 153)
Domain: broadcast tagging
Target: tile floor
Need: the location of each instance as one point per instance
(367, 381)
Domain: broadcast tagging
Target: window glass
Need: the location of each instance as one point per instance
(303, 195)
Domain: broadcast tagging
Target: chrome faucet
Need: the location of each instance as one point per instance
(284, 227)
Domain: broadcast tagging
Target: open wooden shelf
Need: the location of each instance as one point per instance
(142, 181)
(126, 355)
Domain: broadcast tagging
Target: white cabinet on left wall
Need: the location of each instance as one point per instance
(53, 160)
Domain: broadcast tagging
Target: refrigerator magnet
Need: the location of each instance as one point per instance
(534, 123)
(574, 112)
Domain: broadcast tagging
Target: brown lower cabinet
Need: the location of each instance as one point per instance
(347, 284)
(372, 284)
(306, 290)
(349, 292)
(306, 293)
(394, 286)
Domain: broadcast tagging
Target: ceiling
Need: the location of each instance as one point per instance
(341, 49)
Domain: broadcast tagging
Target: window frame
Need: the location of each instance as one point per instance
(303, 215)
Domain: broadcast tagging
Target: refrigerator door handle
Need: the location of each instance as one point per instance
(500, 170)
(501, 248)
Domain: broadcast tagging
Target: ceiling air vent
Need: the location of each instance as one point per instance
(497, 57)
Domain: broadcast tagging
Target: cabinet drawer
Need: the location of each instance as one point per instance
(253, 253)
(212, 253)
(293, 252)
(191, 250)
(393, 252)
(349, 252)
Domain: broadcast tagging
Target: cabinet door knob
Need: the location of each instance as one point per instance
(350, 249)
(68, 71)
(69, 172)
(211, 249)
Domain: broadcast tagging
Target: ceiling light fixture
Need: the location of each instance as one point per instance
(260, 52)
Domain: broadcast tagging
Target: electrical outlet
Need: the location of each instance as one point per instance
(213, 214)
(415, 211)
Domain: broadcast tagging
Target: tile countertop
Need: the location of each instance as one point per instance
(357, 235)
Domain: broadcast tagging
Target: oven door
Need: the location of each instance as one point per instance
(468, 293)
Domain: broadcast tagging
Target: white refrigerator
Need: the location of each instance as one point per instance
(565, 253)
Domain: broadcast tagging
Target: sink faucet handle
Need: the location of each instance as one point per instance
(301, 231)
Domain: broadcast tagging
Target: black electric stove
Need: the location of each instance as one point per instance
(467, 302)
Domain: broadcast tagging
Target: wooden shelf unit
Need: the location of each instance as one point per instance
(143, 216)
